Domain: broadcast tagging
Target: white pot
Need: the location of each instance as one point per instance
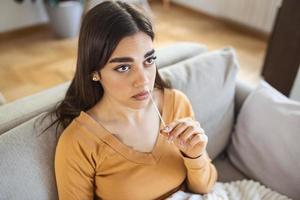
(65, 19)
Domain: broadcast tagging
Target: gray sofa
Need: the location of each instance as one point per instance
(26, 156)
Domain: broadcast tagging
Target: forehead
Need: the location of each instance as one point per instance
(133, 46)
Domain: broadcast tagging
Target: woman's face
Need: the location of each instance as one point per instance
(129, 71)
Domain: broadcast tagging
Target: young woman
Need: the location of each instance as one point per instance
(114, 145)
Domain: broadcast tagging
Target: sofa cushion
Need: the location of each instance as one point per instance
(177, 52)
(209, 82)
(265, 143)
(27, 162)
(227, 172)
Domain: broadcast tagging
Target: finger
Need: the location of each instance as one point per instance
(180, 128)
(197, 124)
(198, 138)
(194, 140)
(194, 129)
(164, 133)
(169, 127)
(187, 134)
(201, 130)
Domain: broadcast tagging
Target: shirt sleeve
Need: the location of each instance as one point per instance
(201, 173)
(74, 167)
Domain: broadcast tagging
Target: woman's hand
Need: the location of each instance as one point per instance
(187, 135)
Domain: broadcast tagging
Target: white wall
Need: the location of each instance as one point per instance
(295, 92)
(207, 6)
(258, 14)
(14, 16)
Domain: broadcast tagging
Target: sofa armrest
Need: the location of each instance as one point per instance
(242, 90)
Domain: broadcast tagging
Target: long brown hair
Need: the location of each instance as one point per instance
(102, 29)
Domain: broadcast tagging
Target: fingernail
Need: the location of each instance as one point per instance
(166, 129)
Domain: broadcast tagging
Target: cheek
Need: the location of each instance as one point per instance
(153, 74)
(113, 83)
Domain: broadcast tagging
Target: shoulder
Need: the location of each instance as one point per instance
(179, 103)
(177, 96)
(169, 95)
(70, 134)
(77, 146)
(77, 137)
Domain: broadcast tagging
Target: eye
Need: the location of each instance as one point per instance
(150, 60)
(122, 68)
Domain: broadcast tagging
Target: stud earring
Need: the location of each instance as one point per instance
(95, 78)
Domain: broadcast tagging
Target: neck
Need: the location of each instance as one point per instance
(121, 113)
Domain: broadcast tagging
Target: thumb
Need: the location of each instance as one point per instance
(165, 130)
(164, 133)
(168, 128)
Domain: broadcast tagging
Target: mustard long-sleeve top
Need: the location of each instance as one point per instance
(91, 163)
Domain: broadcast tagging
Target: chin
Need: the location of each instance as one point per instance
(139, 104)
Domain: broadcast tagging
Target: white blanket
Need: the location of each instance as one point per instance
(237, 190)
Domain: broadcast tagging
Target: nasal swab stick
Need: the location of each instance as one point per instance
(156, 108)
(163, 122)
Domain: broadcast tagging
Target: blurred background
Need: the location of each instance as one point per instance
(38, 39)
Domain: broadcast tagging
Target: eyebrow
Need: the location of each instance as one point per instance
(129, 59)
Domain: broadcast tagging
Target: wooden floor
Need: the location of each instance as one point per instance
(32, 60)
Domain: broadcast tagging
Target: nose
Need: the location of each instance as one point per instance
(140, 79)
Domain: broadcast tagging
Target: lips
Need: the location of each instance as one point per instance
(141, 96)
